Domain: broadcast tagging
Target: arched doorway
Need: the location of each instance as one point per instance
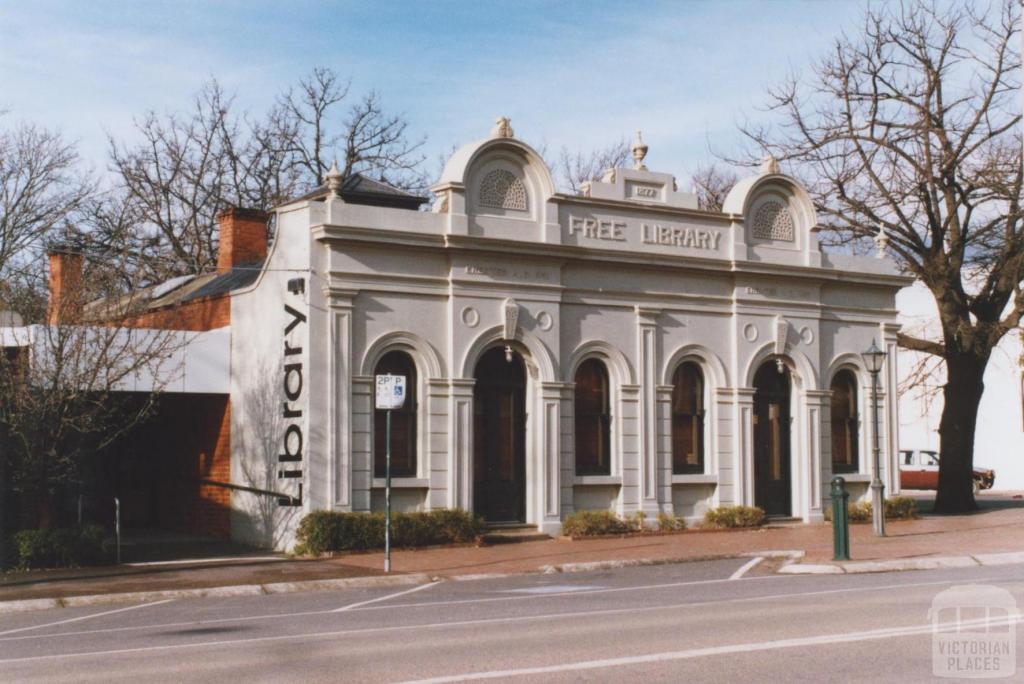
(499, 437)
(772, 485)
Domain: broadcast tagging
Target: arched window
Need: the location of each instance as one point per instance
(845, 423)
(403, 421)
(688, 419)
(593, 419)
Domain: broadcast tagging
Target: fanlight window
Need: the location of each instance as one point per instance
(501, 189)
(845, 423)
(687, 419)
(593, 419)
(772, 221)
(403, 421)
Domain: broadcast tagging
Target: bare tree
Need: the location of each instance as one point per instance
(573, 169)
(183, 173)
(364, 140)
(913, 126)
(39, 189)
(188, 167)
(712, 184)
(69, 380)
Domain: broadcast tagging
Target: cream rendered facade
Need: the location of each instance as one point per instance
(630, 273)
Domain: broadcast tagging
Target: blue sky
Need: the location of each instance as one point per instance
(578, 74)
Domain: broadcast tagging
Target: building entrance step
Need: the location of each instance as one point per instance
(511, 533)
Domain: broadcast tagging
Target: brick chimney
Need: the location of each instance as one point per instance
(243, 237)
(65, 284)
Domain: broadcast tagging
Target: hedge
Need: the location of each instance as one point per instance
(729, 517)
(328, 531)
(896, 508)
(62, 547)
(594, 523)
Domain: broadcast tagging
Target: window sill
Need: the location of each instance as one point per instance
(402, 483)
(854, 477)
(702, 478)
(597, 480)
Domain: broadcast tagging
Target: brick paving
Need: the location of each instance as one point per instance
(998, 527)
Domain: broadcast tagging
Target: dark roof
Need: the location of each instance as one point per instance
(238, 277)
(358, 189)
(178, 290)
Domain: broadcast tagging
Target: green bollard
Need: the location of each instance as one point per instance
(840, 520)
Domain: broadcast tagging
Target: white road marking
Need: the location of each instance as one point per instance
(84, 617)
(384, 598)
(553, 589)
(428, 604)
(746, 566)
(443, 625)
(307, 613)
(824, 639)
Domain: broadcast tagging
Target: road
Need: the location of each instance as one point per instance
(694, 622)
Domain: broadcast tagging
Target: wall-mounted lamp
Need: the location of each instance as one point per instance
(508, 354)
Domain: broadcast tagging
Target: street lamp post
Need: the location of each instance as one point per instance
(873, 359)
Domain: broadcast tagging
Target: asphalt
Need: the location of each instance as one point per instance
(722, 620)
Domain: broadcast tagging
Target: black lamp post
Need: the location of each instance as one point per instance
(873, 359)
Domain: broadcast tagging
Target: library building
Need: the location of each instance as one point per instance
(618, 349)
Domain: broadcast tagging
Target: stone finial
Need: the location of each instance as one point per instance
(639, 150)
(502, 128)
(881, 241)
(334, 179)
(769, 165)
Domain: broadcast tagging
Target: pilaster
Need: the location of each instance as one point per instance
(549, 488)
(339, 403)
(743, 457)
(663, 395)
(647, 360)
(818, 472)
(460, 445)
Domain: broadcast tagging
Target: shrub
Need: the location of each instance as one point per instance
(860, 512)
(729, 517)
(62, 547)
(329, 531)
(669, 523)
(900, 508)
(594, 523)
(641, 520)
(896, 508)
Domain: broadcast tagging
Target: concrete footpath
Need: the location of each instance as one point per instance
(994, 535)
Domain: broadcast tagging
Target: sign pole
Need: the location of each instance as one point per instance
(390, 395)
(387, 496)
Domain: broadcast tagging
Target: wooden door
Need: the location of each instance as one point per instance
(499, 438)
(772, 426)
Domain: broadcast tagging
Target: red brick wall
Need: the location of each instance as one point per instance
(189, 439)
(243, 237)
(196, 315)
(212, 512)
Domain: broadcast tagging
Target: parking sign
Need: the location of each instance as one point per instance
(390, 391)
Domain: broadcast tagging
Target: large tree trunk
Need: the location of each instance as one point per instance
(962, 394)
